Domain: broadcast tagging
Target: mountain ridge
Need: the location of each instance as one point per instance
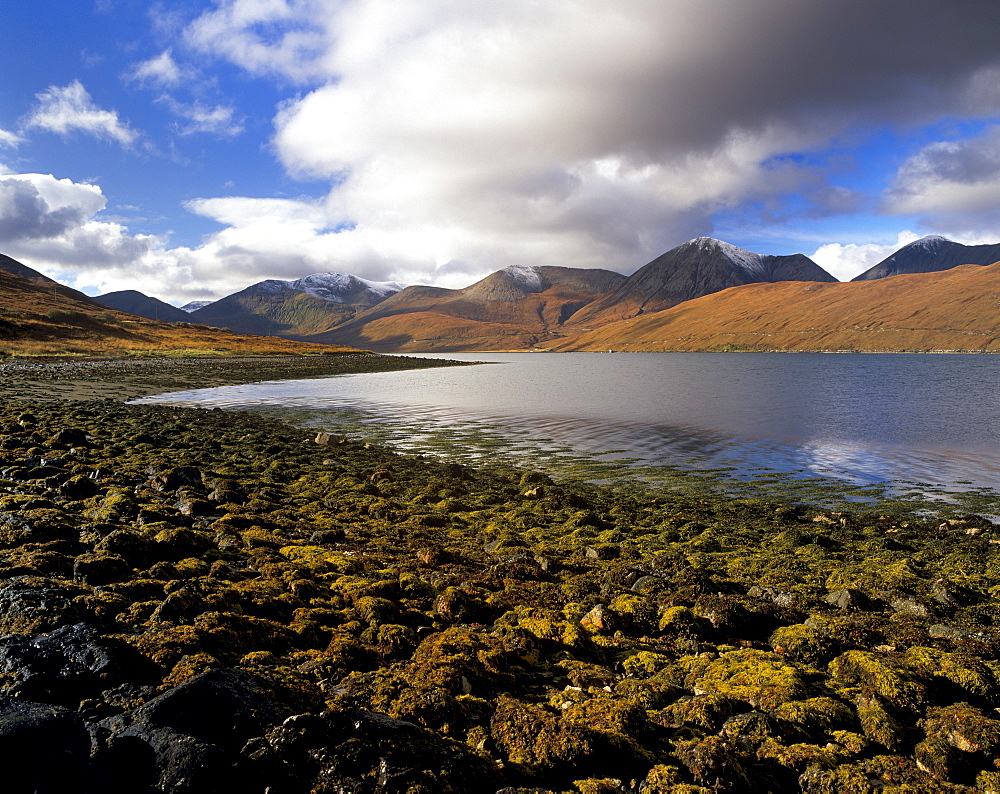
(698, 267)
(931, 254)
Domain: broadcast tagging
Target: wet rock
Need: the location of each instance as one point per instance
(910, 606)
(195, 729)
(357, 750)
(43, 749)
(29, 605)
(79, 486)
(846, 598)
(100, 569)
(70, 437)
(173, 478)
(69, 664)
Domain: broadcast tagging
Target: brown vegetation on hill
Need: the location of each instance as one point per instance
(500, 312)
(952, 310)
(49, 319)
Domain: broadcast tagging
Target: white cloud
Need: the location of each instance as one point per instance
(9, 139)
(577, 132)
(162, 71)
(41, 207)
(220, 120)
(847, 261)
(953, 184)
(69, 108)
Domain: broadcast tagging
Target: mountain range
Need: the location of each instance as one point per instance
(297, 308)
(695, 296)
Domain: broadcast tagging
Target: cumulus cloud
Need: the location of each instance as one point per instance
(70, 108)
(951, 183)
(845, 261)
(584, 133)
(40, 207)
(458, 138)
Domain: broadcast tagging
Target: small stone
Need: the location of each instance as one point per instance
(597, 619)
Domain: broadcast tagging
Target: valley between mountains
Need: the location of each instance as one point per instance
(704, 295)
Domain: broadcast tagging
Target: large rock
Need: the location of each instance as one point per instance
(69, 664)
(354, 750)
(43, 749)
(195, 730)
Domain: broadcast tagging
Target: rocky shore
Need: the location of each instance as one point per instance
(206, 601)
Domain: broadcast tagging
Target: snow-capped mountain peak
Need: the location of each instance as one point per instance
(333, 287)
(529, 278)
(931, 241)
(745, 260)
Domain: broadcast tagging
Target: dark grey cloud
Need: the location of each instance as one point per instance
(26, 215)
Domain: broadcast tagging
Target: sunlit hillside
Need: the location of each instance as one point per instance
(952, 310)
(40, 319)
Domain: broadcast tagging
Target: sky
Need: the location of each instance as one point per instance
(190, 148)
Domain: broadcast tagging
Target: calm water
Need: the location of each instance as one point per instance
(926, 419)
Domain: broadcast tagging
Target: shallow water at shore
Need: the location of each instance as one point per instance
(924, 423)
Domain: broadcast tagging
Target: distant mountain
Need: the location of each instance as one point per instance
(695, 268)
(36, 319)
(512, 309)
(931, 254)
(135, 302)
(297, 308)
(193, 306)
(951, 310)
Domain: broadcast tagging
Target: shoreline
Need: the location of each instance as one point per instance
(130, 379)
(246, 604)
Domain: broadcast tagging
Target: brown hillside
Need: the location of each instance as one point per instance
(49, 319)
(953, 310)
(504, 311)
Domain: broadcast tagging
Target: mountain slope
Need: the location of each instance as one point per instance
(135, 302)
(931, 254)
(295, 308)
(36, 319)
(12, 266)
(514, 308)
(953, 310)
(698, 267)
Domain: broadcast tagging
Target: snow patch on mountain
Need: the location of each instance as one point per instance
(528, 278)
(332, 287)
(930, 242)
(193, 306)
(746, 260)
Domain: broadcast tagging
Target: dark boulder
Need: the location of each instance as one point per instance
(43, 749)
(355, 750)
(195, 730)
(69, 664)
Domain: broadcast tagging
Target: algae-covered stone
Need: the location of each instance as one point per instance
(893, 683)
(804, 644)
(762, 679)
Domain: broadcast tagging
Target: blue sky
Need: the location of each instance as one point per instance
(188, 149)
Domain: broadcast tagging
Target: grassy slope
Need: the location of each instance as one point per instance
(49, 320)
(953, 310)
